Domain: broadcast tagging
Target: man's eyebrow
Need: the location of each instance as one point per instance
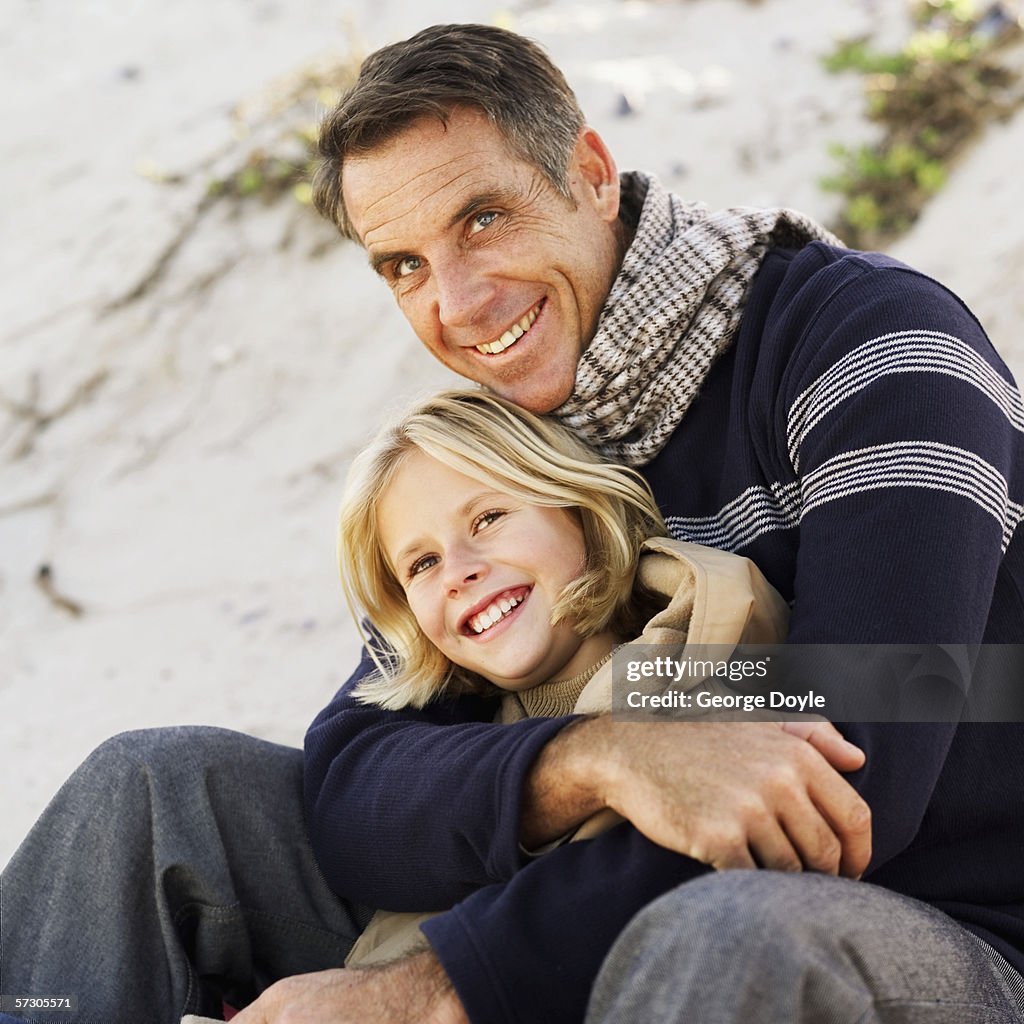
(480, 201)
(378, 260)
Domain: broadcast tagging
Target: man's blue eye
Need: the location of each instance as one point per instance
(483, 220)
(407, 265)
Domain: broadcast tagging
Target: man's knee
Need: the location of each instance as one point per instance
(169, 750)
(822, 932)
(734, 941)
(735, 910)
(736, 900)
(124, 771)
(136, 747)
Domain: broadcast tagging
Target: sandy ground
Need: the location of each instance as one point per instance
(182, 386)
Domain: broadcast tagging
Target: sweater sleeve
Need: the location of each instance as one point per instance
(903, 432)
(413, 810)
(529, 950)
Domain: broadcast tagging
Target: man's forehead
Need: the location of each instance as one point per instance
(428, 172)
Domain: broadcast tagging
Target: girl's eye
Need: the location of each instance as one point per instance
(422, 564)
(407, 265)
(486, 518)
(482, 220)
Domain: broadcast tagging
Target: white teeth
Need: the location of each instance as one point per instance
(491, 614)
(511, 336)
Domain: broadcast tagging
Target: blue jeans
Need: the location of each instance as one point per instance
(170, 872)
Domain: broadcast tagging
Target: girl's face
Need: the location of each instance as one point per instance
(482, 572)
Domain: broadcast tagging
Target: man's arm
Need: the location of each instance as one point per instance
(905, 430)
(414, 810)
(729, 794)
(382, 787)
(529, 950)
(413, 991)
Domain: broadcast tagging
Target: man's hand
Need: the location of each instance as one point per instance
(729, 794)
(412, 991)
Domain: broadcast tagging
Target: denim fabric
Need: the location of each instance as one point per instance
(170, 872)
(761, 947)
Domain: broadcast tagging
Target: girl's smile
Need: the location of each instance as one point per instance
(492, 611)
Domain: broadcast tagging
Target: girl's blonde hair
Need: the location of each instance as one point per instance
(529, 457)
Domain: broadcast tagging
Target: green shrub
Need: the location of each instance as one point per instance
(931, 99)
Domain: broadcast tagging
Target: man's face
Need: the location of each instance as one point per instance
(500, 276)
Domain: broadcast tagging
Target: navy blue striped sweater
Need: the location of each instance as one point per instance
(864, 445)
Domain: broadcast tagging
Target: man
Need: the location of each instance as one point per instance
(838, 418)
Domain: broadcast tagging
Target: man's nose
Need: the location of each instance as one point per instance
(463, 292)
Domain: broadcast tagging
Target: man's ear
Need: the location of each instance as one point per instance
(593, 174)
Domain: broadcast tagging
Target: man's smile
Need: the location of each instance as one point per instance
(513, 334)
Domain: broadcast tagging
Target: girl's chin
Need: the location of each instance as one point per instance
(518, 685)
(512, 683)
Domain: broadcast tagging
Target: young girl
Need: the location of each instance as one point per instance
(493, 552)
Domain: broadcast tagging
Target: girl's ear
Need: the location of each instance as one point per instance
(592, 169)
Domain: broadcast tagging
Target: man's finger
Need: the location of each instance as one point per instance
(728, 851)
(252, 1014)
(849, 817)
(819, 846)
(843, 755)
(772, 848)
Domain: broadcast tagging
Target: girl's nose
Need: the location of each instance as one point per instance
(463, 569)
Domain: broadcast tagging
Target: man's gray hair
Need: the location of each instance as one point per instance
(506, 76)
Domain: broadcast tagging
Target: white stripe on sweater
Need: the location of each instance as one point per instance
(756, 511)
(928, 464)
(899, 352)
(923, 464)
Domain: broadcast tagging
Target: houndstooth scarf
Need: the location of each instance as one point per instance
(674, 308)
